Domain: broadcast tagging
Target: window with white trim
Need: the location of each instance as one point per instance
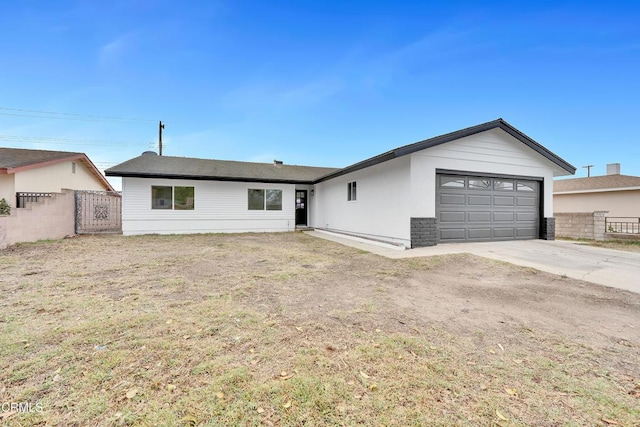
(178, 198)
(259, 199)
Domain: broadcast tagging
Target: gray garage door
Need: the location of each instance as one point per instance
(471, 208)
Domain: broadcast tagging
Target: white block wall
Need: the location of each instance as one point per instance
(220, 207)
(381, 209)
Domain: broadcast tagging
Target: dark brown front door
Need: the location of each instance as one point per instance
(301, 207)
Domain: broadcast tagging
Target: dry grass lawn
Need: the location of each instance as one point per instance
(286, 329)
(620, 245)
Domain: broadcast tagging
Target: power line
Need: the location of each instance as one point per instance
(72, 141)
(68, 118)
(76, 116)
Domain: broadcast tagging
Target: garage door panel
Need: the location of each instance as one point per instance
(479, 233)
(527, 201)
(471, 208)
(452, 199)
(503, 232)
(526, 216)
(481, 216)
(452, 234)
(523, 232)
(451, 216)
(474, 200)
(506, 216)
(503, 200)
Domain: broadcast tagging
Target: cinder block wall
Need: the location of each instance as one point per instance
(51, 218)
(581, 225)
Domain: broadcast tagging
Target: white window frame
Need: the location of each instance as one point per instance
(265, 206)
(172, 205)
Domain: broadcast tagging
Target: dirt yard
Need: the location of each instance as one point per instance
(286, 329)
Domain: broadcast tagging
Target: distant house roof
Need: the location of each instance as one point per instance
(596, 184)
(150, 165)
(13, 160)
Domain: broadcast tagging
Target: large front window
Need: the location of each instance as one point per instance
(260, 199)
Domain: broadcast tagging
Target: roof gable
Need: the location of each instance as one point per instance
(14, 160)
(442, 139)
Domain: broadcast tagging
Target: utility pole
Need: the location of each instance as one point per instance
(588, 168)
(160, 127)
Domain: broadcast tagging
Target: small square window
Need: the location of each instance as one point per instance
(351, 191)
(274, 200)
(161, 197)
(184, 199)
(256, 199)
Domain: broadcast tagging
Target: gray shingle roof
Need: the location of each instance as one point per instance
(16, 157)
(595, 183)
(153, 166)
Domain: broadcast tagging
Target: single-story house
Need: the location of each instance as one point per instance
(43, 171)
(615, 193)
(487, 182)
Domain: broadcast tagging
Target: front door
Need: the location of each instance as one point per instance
(301, 207)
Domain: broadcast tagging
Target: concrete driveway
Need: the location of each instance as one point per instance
(608, 267)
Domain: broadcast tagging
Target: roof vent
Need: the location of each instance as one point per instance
(149, 153)
(277, 163)
(613, 169)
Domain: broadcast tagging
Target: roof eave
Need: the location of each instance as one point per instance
(207, 178)
(432, 142)
(536, 147)
(597, 190)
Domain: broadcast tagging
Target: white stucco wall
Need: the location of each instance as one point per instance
(493, 151)
(617, 203)
(220, 207)
(381, 209)
(7, 189)
(54, 178)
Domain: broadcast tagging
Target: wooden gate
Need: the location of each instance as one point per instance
(98, 212)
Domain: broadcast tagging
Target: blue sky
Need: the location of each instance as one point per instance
(318, 82)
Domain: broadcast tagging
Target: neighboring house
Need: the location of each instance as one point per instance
(41, 171)
(617, 194)
(483, 183)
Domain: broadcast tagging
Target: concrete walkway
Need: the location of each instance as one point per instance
(608, 267)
